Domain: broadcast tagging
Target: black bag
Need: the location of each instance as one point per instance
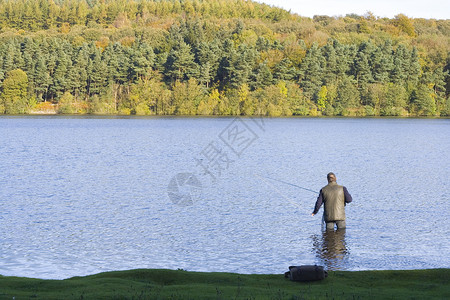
(306, 273)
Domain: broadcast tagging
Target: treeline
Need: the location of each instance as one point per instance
(217, 58)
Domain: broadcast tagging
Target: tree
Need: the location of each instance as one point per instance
(322, 97)
(14, 96)
(362, 66)
(180, 65)
(311, 70)
(331, 63)
(142, 59)
(209, 106)
(347, 96)
(285, 70)
(187, 97)
(97, 72)
(394, 100)
(60, 76)
(42, 79)
(261, 77)
(238, 66)
(422, 100)
(401, 65)
(405, 25)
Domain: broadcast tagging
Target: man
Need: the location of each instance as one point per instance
(334, 197)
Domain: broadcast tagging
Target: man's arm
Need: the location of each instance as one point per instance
(348, 197)
(318, 204)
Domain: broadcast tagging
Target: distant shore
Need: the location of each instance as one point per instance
(180, 284)
(55, 113)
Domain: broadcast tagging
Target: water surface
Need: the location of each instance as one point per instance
(85, 195)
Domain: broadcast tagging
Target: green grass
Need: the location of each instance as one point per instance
(170, 284)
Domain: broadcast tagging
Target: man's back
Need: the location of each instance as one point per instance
(334, 197)
(334, 202)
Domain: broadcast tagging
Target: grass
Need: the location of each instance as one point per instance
(179, 284)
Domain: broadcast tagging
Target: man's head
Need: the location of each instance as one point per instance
(331, 177)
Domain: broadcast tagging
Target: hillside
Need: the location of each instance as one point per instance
(216, 57)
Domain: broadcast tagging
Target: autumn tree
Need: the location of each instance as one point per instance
(14, 96)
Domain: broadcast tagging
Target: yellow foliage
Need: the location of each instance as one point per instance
(273, 110)
(65, 28)
(272, 57)
(209, 105)
(283, 88)
(405, 25)
(243, 92)
(248, 37)
(102, 43)
(127, 41)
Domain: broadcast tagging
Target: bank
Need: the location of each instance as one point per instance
(180, 284)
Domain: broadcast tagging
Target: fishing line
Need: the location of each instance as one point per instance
(281, 194)
(288, 183)
(278, 191)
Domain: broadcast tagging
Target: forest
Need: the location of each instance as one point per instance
(217, 57)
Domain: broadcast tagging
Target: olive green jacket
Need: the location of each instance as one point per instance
(334, 202)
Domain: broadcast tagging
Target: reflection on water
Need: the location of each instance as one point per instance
(331, 248)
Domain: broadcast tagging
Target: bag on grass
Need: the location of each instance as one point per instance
(306, 273)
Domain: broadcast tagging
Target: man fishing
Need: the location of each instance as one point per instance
(334, 197)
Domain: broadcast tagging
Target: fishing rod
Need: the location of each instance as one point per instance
(289, 184)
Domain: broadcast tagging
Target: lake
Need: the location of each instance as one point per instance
(82, 195)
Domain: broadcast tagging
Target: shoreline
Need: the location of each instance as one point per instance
(180, 284)
(123, 116)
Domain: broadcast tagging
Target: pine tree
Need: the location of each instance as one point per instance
(61, 79)
(142, 59)
(261, 77)
(422, 101)
(180, 65)
(97, 74)
(414, 69)
(331, 64)
(311, 70)
(42, 79)
(401, 61)
(285, 70)
(380, 66)
(362, 66)
(78, 74)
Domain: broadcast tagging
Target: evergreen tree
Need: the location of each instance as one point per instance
(180, 65)
(344, 58)
(207, 57)
(331, 70)
(362, 66)
(142, 59)
(311, 70)
(347, 96)
(381, 65)
(414, 69)
(78, 74)
(97, 73)
(401, 60)
(285, 70)
(261, 77)
(238, 66)
(422, 100)
(42, 79)
(61, 81)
